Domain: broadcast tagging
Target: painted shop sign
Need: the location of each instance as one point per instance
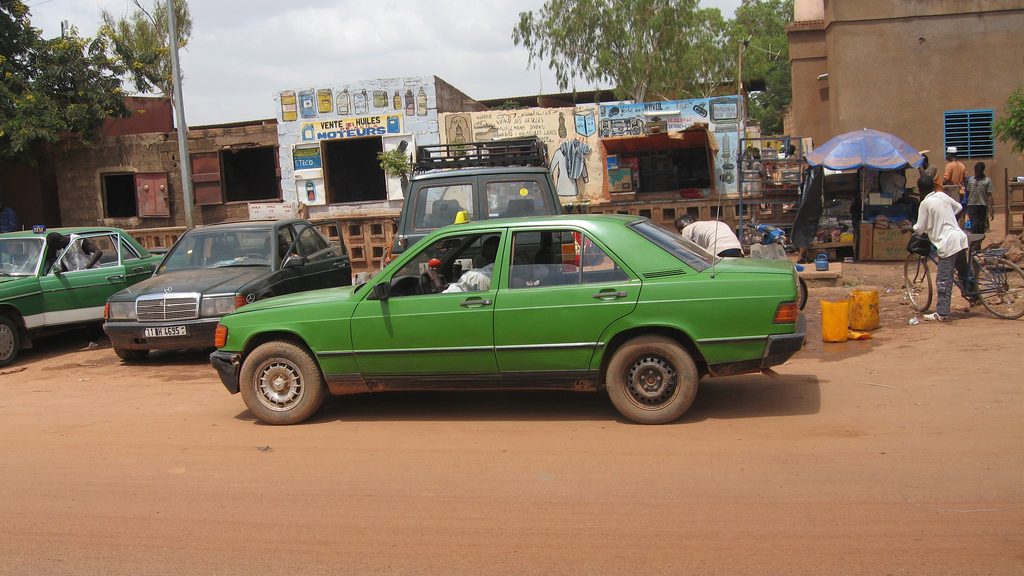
(351, 127)
(306, 158)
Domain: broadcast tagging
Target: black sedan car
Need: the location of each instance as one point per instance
(212, 270)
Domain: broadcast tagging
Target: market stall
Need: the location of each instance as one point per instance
(860, 204)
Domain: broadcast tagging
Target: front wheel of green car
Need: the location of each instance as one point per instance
(652, 380)
(10, 341)
(281, 383)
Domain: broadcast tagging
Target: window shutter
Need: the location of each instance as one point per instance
(971, 132)
(151, 194)
(206, 186)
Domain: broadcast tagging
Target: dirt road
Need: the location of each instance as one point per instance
(903, 454)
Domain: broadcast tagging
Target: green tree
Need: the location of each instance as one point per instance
(766, 58)
(642, 47)
(51, 89)
(140, 43)
(1010, 125)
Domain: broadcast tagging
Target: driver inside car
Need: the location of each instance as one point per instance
(477, 279)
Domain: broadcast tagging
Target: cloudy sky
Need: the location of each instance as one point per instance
(242, 52)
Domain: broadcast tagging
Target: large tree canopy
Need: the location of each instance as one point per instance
(51, 89)
(766, 58)
(664, 49)
(637, 45)
(139, 42)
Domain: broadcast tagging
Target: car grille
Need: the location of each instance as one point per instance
(161, 308)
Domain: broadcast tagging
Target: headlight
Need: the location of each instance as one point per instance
(122, 311)
(217, 306)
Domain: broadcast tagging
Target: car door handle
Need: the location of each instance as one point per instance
(610, 294)
(115, 278)
(138, 269)
(475, 302)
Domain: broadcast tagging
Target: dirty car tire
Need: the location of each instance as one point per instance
(281, 383)
(129, 355)
(652, 380)
(10, 341)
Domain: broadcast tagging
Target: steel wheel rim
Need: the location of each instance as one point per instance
(1002, 293)
(6, 341)
(279, 385)
(917, 284)
(651, 381)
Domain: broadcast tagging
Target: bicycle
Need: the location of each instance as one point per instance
(1000, 282)
(771, 235)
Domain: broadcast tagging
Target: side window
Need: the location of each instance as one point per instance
(313, 246)
(436, 206)
(285, 239)
(512, 198)
(559, 258)
(462, 264)
(92, 252)
(127, 252)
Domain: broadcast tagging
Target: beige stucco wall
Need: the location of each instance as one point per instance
(552, 125)
(898, 66)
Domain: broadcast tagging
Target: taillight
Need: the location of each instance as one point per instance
(786, 313)
(220, 336)
(106, 311)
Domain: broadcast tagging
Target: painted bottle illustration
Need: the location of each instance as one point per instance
(359, 104)
(307, 105)
(460, 136)
(308, 134)
(324, 100)
(421, 102)
(562, 132)
(397, 103)
(289, 111)
(410, 104)
(343, 103)
(310, 191)
(380, 99)
(393, 126)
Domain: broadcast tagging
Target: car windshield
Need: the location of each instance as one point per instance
(20, 256)
(216, 248)
(690, 253)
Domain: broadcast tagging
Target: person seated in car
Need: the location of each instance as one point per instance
(476, 279)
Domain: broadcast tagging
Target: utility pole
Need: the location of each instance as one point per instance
(740, 115)
(179, 114)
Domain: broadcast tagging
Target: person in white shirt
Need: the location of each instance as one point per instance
(936, 216)
(477, 279)
(715, 237)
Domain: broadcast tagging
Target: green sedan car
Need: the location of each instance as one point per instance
(587, 303)
(48, 288)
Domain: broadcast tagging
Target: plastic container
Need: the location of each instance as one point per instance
(821, 262)
(835, 320)
(864, 310)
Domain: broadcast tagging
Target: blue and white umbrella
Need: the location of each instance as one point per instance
(865, 148)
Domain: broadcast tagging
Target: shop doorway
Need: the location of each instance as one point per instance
(352, 170)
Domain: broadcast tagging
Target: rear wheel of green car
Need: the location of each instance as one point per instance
(10, 341)
(652, 380)
(281, 383)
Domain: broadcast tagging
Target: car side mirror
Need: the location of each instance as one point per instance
(381, 291)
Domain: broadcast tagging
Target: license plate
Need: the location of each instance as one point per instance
(166, 331)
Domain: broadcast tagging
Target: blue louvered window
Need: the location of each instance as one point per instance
(971, 132)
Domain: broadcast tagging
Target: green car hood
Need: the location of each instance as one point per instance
(324, 295)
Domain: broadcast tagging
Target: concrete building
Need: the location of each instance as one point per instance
(933, 72)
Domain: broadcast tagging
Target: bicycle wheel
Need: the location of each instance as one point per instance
(917, 282)
(1001, 288)
(801, 296)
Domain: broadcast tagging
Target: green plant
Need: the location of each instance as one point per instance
(1010, 126)
(395, 163)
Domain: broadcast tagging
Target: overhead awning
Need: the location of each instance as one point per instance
(695, 137)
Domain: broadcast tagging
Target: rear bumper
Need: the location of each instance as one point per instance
(131, 335)
(782, 347)
(227, 365)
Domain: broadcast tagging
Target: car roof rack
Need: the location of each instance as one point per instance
(489, 154)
